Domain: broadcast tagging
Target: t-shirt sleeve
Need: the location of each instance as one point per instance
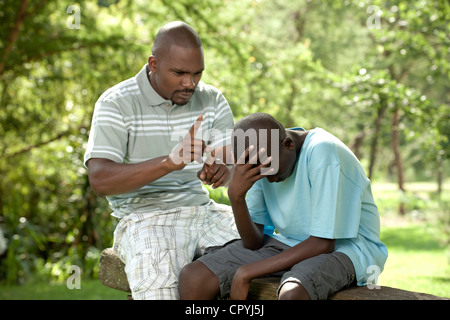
(336, 200)
(108, 136)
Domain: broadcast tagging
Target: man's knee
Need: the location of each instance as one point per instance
(293, 291)
(196, 281)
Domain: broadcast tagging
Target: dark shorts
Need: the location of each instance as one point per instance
(321, 276)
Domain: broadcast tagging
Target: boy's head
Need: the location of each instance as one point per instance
(263, 131)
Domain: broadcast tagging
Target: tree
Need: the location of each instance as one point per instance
(308, 63)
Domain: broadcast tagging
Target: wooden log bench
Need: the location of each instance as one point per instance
(112, 274)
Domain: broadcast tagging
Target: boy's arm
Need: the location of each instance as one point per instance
(244, 176)
(252, 234)
(311, 247)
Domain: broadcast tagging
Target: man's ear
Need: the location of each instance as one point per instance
(152, 63)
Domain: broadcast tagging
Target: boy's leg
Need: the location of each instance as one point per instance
(217, 229)
(317, 278)
(293, 291)
(223, 263)
(197, 282)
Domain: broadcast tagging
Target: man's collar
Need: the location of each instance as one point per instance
(150, 95)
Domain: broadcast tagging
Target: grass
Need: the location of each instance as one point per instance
(90, 289)
(418, 243)
(417, 261)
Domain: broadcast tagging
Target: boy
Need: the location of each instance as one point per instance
(320, 202)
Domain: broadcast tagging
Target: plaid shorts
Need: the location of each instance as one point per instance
(156, 245)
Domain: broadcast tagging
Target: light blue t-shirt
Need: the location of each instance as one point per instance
(327, 195)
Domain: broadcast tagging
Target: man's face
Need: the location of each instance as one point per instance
(176, 75)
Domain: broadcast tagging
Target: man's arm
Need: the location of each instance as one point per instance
(110, 178)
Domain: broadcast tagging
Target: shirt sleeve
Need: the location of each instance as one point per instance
(223, 123)
(108, 136)
(336, 200)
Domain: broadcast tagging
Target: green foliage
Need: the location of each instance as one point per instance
(309, 63)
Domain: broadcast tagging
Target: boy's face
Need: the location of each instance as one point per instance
(286, 157)
(282, 152)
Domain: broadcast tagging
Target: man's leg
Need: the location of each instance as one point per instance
(218, 227)
(154, 248)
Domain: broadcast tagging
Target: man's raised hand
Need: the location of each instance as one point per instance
(190, 148)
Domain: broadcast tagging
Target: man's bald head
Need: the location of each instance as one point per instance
(175, 33)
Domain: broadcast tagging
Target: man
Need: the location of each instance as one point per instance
(149, 134)
(318, 198)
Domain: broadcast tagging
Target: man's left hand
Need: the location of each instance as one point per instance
(214, 172)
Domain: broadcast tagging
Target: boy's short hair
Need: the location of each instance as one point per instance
(258, 129)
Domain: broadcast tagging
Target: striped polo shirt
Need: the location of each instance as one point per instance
(132, 123)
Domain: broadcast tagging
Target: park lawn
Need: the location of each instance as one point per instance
(416, 261)
(90, 289)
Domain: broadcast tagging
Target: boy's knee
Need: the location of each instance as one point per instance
(196, 281)
(189, 274)
(293, 291)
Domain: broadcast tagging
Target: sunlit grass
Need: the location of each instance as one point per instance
(90, 289)
(417, 261)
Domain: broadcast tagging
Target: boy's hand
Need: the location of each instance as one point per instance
(246, 173)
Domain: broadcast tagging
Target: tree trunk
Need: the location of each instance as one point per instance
(374, 143)
(357, 143)
(13, 34)
(440, 174)
(397, 156)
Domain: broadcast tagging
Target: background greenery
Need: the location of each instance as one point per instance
(379, 82)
